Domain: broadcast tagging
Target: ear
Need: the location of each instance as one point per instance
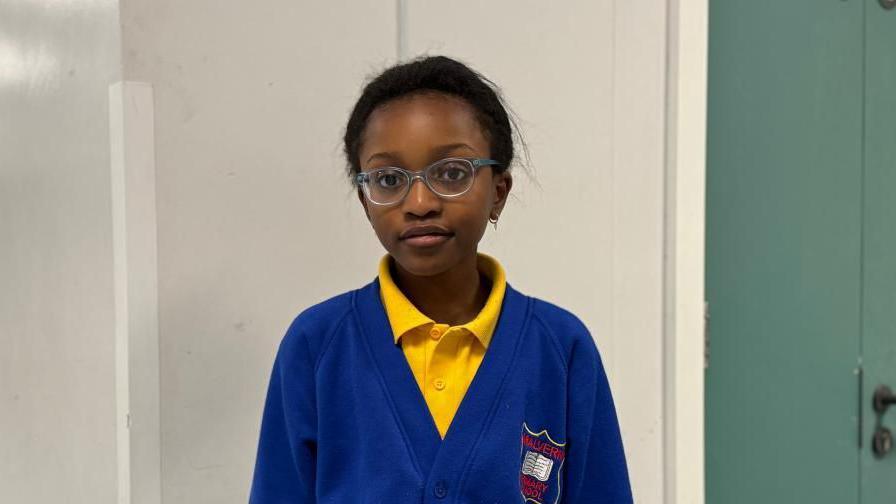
(502, 182)
(364, 203)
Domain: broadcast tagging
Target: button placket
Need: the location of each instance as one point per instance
(440, 365)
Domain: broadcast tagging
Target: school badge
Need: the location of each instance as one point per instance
(541, 459)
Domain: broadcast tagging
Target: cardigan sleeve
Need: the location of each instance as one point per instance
(596, 471)
(287, 446)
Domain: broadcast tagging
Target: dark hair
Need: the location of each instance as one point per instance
(439, 74)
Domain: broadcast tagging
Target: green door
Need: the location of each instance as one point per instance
(801, 250)
(878, 474)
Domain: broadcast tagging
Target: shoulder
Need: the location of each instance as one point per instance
(571, 334)
(312, 328)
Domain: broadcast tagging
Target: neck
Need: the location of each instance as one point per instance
(453, 297)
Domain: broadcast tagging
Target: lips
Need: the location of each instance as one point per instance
(424, 231)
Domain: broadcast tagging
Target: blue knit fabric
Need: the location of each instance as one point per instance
(345, 422)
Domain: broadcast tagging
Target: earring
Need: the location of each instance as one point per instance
(494, 220)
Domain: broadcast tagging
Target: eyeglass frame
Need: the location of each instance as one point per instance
(361, 179)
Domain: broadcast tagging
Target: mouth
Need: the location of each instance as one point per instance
(427, 240)
(425, 235)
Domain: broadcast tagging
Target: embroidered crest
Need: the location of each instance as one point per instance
(541, 459)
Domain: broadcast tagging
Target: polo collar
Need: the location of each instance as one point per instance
(404, 316)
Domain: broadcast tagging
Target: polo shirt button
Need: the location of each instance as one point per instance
(440, 490)
(435, 333)
(438, 383)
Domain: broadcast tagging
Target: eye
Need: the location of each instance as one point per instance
(388, 178)
(452, 171)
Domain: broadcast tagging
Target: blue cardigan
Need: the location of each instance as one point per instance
(345, 422)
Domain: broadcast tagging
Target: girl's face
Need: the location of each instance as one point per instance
(412, 132)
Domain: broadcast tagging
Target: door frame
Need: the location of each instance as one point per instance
(684, 247)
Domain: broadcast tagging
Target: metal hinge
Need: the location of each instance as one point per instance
(705, 334)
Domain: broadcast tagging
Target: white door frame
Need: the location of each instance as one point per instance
(683, 318)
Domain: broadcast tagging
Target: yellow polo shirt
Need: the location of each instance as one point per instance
(443, 358)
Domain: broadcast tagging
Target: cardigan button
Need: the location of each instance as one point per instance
(435, 333)
(439, 384)
(441, 489)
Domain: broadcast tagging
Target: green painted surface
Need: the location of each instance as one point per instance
(784, 255)
(879, 275)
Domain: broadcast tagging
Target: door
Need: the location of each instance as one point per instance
(784, 251)
(878, 474)
(801, 251)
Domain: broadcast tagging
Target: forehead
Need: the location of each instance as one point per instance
(417, 123)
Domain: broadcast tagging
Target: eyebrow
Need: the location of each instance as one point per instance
(437, 151)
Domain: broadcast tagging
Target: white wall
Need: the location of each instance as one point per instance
(254, 219)
(57, 352)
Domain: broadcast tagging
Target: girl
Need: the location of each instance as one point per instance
(437, 381)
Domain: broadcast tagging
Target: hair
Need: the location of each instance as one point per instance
(443, 75)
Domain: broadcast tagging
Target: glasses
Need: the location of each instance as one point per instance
(449, 178)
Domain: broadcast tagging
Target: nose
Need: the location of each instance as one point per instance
(420, 200)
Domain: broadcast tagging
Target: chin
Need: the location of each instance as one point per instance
(422, 263)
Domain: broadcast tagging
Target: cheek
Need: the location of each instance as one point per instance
(380, 222)
(475, 215)
(476, 228)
